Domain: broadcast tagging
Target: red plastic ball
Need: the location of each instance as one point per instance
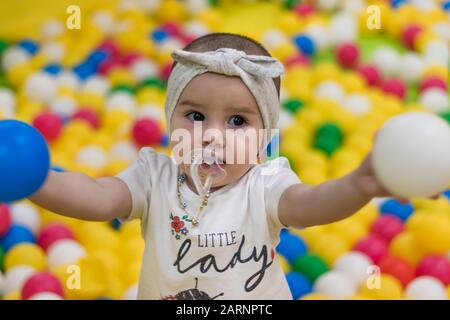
(129, 58)
(387, 227)
(49, 125)
(298, 59)
(172, 28)
(107, 65)
(304, 9)
(5, 219)
(395, 87)
(347, 54)
(52, 233)
(146, 132)
(111, 47)
(373, 246)
(371, 74)
(410, 34)
(398, 268)
(435, 266)
(41, 282)
(87, 115)
(433, 82)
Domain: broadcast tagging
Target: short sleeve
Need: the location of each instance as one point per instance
(278, 176)
(137, 178)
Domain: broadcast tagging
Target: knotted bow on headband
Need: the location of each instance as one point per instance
(255, 71)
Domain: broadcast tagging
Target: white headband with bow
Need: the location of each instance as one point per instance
(255, 71)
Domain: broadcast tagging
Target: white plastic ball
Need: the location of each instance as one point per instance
(52, 29)
(54, 51)
(411, 67)
(442, 29)
(327, 4)
(387, 60)
(143, 69)
(425, 288)
(27, 215)
(171, 44)
(7, 112)
(335, 284)
(121, 100)
(285, 119)
(354, 6)
(320, 35)
(435, 100)
(438, 51)
(64, 252)
(131, 293)
(92, 156)
(15, 278)
(343, 28)
(104, 20)
(149, 6)
(196, 6)
(96, 84)
(196, 28)
(45, 296)
(124, 150)
(354, 265)
(63, 106)
(7, 98)
(424, 5)
(329, 89)
(68, 79)
(40, 87)
(273, 38)
(150, 111)
(357, 104)
(13, 56)
(411, 155)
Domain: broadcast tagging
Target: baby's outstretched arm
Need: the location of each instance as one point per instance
(303, 205)
(78, 196)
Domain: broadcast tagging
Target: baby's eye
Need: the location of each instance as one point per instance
(195, 116)
(237, 121)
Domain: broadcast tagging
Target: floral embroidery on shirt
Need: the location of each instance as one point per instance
(178, 226)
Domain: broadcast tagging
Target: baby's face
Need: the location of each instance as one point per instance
(229, 118)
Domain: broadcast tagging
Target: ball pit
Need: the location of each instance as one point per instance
(98, 97)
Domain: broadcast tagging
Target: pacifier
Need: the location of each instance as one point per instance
(206, 168)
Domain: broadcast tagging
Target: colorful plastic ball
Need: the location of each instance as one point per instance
(387, 227)
(41, 282)
(433, 82)
(398, 268)
(425, 288)
(15, 278)
(45, 296)
(372, 246)
(409, 35)
(52, 69)
(371, 74)
(40, 87)
(347, 54)
(52, 233)
(383, 287)
(396, 208)
(25, 254)
(24, 160)
(15, 235)
(435, 99)
(305, 44)
(87, 115)
(310, 265)
(49, 125)
(146, 132)
(355, 265)
(435, 266)
(298, 284)
(399, 159)
(291, 246)
(304, 9)
(395, 87)
(64, 252)
(335, 284)
(5, 219)
(26, 215)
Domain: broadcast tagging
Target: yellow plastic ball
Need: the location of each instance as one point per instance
(311, 235)
(290, 23)
(131, 273)
(434, 234)
(115, 121)
(285, 266)
(133, 250)
(212, 18)
(284, 51)
(330, 247)
(17, 74)
(406, 246)
(25, 254)
(387, 288)
(436, 70)
(97, 236)
(92, 100)
(349, 230)
(171, 10)
(131, 230)
(366, 215)
(312, 175)
(121, 76)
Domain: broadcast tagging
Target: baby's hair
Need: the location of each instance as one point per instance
(214, 41)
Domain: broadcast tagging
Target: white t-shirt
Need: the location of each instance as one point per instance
(230, 254)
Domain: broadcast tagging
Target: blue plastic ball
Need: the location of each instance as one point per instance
(96, 57)
(165, 140)
(29, 46)
(447, 194)
(305, 44)
(53, 68)
(396, 208)
(298, 284)
(159, 35)
(24, 160)
(446, 5)
(84, 70)
(397, 3)
(291, 246)
(15, 235)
